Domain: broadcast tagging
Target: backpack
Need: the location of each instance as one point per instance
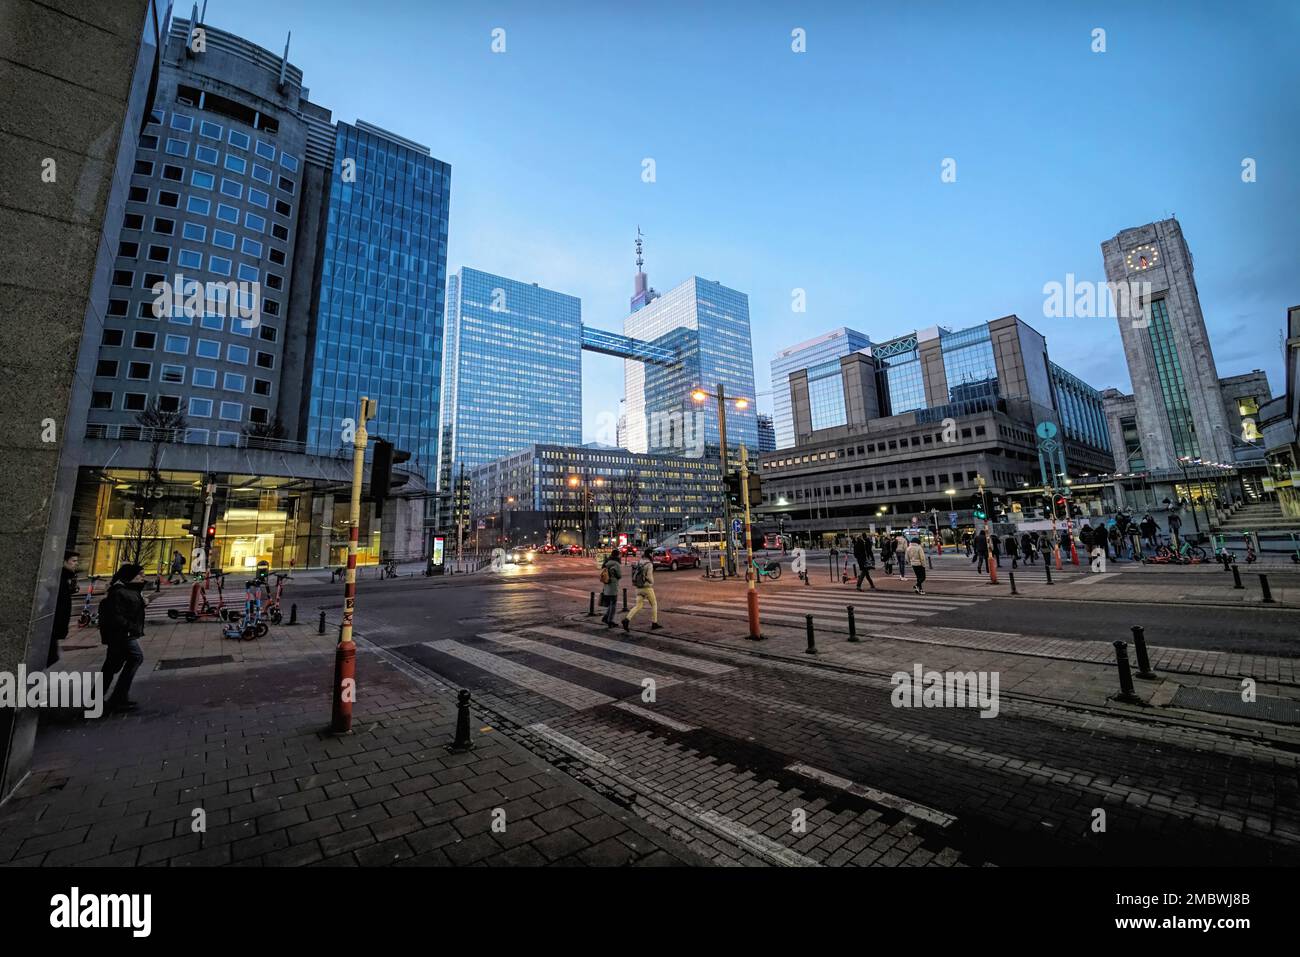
(638, 575)
(604, 574)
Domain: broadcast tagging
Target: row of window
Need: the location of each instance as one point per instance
(208, 181)
(193, 259)
(196, 232)
(201, 206)
(197, 407)
(125, 278)
(213, 131)
(209, 320)
(873, 448)
(177, 344)
(143, 371)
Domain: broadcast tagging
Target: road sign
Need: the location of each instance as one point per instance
(952, 519)
(736, 525)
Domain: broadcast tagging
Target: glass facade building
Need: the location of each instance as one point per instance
(382, 280)
(1081, 408)
(1173, 390)
(514, 369)
(898, 374)
(707, 324)
(807, 355)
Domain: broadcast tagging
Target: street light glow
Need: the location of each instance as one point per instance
(699, 395)
(742, 403)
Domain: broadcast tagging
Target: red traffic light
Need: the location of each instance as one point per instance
(212, 531)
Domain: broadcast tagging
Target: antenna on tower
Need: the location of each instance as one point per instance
(284, 63)
(639, 260)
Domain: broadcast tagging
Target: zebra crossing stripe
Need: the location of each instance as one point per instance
(844, 589)
(874, 795)
(649, 715)
(701, 665)
(868, 600)
(727, 612)
(539, 682)
(600, 666)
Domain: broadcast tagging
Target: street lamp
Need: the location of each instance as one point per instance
(699, 396)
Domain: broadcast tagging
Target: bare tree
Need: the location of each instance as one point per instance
(622, 495)
(159, 427)
(265, 435)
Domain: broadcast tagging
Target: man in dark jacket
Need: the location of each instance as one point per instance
(1026, 548)
(121, 626)
(862, 555)
(611, 574)
(63, 604)
(981, 550)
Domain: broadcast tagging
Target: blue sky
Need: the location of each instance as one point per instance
(821, 170)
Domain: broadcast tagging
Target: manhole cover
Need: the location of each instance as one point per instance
(1263, 708)
(169, 664)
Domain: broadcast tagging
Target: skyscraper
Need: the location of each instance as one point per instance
(815, 353)
(379, 323)
(706, 324)
(514, 365)
(766, 434)
(1178, 401)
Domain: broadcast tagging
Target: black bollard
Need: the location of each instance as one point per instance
(930, 562)
(853, 626)
(1126, 692)
(1140, 646)
(1236, 578)
(1012, 576)
(625, 599)
(293, 614)
(462, 742)
(591, 608)
(812, 640)
(1268, 594)
(1047, 567)
(320, 630)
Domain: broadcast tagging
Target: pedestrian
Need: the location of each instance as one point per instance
(1148, 528)
(915, 555)
(1027, 547)
(887, 554)
(178, 563)
(900, 551)
(966, 540)
(1116, 540)
(997, 549)
(121, 626)
(981, 550)
(862, 555)
(643, 579)
(1175, 529)
(611, 573)
(63, 604)
(1013, 549)
(1085, 536)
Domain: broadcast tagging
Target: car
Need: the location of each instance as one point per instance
(571, 550)
(548, 549)
(675, 557)
(522, 555)
(627, 551)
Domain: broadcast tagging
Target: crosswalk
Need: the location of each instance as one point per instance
(790, 606)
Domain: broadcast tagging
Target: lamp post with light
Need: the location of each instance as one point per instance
(699, 396)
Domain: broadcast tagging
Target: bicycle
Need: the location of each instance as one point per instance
(772, 570)
(388, 569)
(88, 617)
(1185, 554)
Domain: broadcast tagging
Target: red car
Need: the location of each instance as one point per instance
(673, 558)
(548, 549)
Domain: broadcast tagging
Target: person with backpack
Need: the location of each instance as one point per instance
(900, 552)
(121, 626)
(176, 570)
(1013, 549)
(1027, 548)
(611, 573)
(643, 579)
(915, 556)
(862, 555)
(887, 554)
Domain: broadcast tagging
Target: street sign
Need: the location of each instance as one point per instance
(736, 525)
(952, 519)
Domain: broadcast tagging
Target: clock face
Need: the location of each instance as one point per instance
(1141, 257)
(1046, 429)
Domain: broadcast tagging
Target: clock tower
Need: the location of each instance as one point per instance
(1178, 401)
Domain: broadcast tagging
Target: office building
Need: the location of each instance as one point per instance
(925, 416)
(766, 434)
(819, 353)
(1279, 421)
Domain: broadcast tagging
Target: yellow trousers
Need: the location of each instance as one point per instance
(645, 596)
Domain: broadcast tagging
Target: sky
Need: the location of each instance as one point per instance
(820, 171)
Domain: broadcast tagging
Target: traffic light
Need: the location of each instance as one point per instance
(999, 510)
(211, 534)
(382, 481)
(731, 482)
(1061, 504)
(977, 508)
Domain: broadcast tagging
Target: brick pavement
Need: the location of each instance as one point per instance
(243, 741)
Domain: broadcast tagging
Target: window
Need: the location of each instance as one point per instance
(239, 140)
(177, 147)
(279, 232)
(219, 265)
(277, 256)
(164, 226)
(196, 436)
(189, 259)
(267, 333)
(289, 162)
(201, 408)
(258, 415)
(160, 254)
(228, 438)
(271, 307)
(132, 221)
(286, 184)
(156, 116)
(232, 411)
(182, 122)
(246, 273)
(230, 188)
(213, 322)
(241, 327)
(195, 232)
(261, 387)
(174, 173)
(143, 168)
(207, 349)
(144, 340)
(168, 198)
(139, 370)
(206, 154)
(223, 238)
(236, 164)
(178, 345)
(138, 194)
(251, 247)
(128, 250)
(210, 130)
(265, 360)
(274, 281)
(171, 374)
(261, 173)
(259, 198)
(134, 401)
(238, 354)
(227, 214)
(169, 403)
(265, 150)
(234, 382)
(205, 378)
(146, 310)
(201, 179)
(123, 277)
(282, 208)
(111, 337)
(197, 204)
(255, 222)
(101, 400)
(106, 368)
(148, 142)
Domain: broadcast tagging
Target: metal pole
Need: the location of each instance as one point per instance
(730, 559)
(345, 658)
(751, 593)
(988, 535)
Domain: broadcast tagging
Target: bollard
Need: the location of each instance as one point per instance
(625, 599)
(462, 742)
(320, 630)
(1236, 578)
(1140, 646)
(1012, 576)
(591, 608)
(293, 614)
(1126, 692)
(1047, 567)
(930, 562)
(812, 640)
(1268, 594)
(853, 626)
